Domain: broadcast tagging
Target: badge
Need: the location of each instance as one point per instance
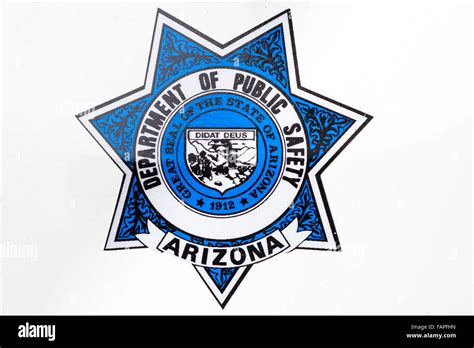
(222, 151)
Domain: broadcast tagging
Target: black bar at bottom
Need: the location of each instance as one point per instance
(223, 330)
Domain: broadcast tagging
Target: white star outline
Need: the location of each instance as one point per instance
(284, 19)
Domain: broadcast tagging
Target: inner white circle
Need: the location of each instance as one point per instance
(210, 227)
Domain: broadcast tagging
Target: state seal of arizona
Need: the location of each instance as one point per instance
(222, 151)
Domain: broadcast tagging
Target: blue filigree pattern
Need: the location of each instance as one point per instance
(304, 209)
(118, 127)
(221, 276)
(179, 54)
(324, 127)
(136, 214)
(266, 54)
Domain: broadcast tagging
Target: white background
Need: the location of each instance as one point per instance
(400, 193)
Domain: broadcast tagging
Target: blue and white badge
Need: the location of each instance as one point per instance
(222, 152)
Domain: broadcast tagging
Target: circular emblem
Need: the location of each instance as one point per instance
(221, 153)
(228, 158)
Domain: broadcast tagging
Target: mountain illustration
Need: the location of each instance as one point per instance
(221, 164)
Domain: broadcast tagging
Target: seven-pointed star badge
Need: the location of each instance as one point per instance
(222, 151)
